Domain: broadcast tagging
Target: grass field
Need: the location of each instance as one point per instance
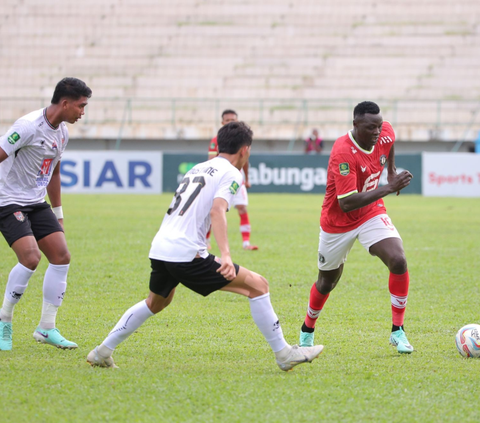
(203, 359)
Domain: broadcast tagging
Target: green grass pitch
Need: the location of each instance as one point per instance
(203, 359)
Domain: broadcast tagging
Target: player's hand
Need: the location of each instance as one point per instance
(247, 184)
(227, 269)
(400, 181)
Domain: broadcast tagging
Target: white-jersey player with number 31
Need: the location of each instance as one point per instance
(179, 253)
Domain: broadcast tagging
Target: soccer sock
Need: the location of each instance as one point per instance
(16, 286)
(267, 321)
(245, 228)
(315, 306)
(54, 287)
(398, 286)
(133, 318)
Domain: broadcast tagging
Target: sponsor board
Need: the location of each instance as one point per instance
(112, 172)
(289, 173)
(451, 174)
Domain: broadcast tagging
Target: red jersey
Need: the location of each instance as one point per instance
(352, 169)
(213, 148)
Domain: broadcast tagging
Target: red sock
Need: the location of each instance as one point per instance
(315, 305)
(398, 286)
(245, 226)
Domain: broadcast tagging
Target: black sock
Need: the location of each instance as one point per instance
(306, 329)
(394, 328)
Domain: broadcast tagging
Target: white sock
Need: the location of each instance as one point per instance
(49, 313)
(55, 283)
(133, 318)
(54, 287)
(267, 321)
(16, 286)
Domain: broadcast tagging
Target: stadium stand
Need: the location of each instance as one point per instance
(162, 69)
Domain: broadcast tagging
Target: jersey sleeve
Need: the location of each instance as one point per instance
(344, 174)
(229, 186)
(19, 135)
(388, 128)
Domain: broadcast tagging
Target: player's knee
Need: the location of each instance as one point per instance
(156, 303)
(260, 287)
(398, 264)
(31, 260)
(62, 257)
(241, 209)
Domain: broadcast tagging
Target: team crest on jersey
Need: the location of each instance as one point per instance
(383, 159)
(13, 138)
(212, 146)
(19, 216)
(54, 145)
(234, 187)
(344, 169)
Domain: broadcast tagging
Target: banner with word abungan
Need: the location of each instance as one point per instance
(288, 173)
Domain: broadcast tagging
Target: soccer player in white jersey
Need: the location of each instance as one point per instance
(30, 154)
(179, 253)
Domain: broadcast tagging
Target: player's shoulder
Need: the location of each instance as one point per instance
(342, 146)
(387, 128)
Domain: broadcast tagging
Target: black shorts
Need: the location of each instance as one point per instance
(199, 275)
(19, 221)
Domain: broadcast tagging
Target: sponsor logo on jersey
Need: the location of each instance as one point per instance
(353, 150)
(364, 168)
(13, 138)
(344, 169)
(19, 216)
(234, 187)
(45, 168)
(383, 159)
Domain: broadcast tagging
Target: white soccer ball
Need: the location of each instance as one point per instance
(468, 341)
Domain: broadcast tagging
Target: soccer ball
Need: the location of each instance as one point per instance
(468, 341)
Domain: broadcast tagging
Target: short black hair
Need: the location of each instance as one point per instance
(366, 107)
(229, 112)
(233, 136)
(72, 88)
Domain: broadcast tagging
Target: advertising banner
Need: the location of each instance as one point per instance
(451, 174)
(289, 173)
(112, 172)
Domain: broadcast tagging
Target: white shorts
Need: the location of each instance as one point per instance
(241, 197)
(333, 249)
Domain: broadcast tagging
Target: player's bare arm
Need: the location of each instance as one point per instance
(3, 155)
(361, 199)
(54, 190)
(219, 228)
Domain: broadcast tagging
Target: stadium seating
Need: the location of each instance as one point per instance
(162, 69)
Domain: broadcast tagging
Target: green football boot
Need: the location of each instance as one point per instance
(5, 336)
(306, 339)
(399, 340)
(54, 338)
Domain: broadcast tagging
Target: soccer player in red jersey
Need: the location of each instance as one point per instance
(240, 201)
(353, 208)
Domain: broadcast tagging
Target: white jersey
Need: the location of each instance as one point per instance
(183, 232)
(34, 148)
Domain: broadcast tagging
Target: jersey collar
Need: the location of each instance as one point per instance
(356, 144)
(46, 120)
